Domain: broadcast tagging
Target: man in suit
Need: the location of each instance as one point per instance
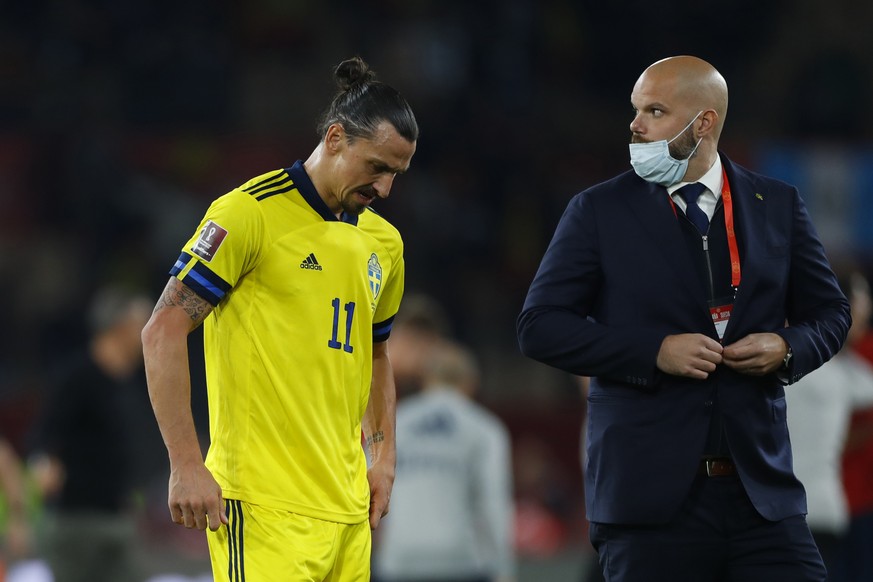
(690, 308)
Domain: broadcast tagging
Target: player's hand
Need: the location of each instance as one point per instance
(692, 355)
(195, 498)
(381, 478)
(756, 354)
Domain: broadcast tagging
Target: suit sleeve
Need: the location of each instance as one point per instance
(818, 313)
(556, 325)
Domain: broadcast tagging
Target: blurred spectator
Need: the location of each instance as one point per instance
(591, 571)
(420, 327)
(857, 560)
(451, 509)
(541, 529)
(819, 409)
(83, 458)
(17, 533)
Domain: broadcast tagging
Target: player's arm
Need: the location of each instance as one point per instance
(195, 498)
(378, 424)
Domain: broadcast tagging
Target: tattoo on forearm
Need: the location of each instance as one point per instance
(180, 295)
(376, 437)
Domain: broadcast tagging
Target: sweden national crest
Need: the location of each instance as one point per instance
(374, 274)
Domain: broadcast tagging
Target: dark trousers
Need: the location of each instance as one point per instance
(716, 537)
(856, 563)
(830, 547)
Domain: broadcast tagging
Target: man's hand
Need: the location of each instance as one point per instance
(195, 498)
(756, 354)
(381, 478)
(692, 355)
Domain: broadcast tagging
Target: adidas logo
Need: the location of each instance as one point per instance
(310, 262)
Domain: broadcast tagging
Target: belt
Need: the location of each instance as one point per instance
(717, 467)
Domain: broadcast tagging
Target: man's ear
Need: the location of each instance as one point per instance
(709, 120)
(334, 138)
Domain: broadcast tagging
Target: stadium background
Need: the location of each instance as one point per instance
(121, 119)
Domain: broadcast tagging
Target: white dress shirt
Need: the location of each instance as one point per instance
(713, 180)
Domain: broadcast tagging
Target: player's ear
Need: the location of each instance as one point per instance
(334, 138)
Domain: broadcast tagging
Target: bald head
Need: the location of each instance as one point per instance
(690, 82)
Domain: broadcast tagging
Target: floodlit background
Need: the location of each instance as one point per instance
(120, 120)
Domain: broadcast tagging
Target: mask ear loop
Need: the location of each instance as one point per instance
(686, 129)
(695, 148)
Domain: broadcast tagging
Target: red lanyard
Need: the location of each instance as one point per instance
(729, 228)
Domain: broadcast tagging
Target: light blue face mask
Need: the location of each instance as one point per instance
(653, 163)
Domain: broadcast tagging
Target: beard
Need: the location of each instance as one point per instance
(683, 146)
(351, 207)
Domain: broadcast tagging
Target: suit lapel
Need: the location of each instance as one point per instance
(655, 214)
(750, 225)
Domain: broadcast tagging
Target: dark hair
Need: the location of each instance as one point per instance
(362, 103)
(424, 314)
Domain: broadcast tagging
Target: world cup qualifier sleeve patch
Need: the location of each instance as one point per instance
(209, 241)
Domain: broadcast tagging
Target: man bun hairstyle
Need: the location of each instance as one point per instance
(353, 72)
(362, 103)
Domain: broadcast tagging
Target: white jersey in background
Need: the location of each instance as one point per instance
(451, 508)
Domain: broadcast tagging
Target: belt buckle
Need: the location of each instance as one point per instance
(712, 467)
(709, 464)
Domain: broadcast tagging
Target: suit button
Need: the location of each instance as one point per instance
(708, 403)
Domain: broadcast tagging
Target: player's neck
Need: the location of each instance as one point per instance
(317, 170)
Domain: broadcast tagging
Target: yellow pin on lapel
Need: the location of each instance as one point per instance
(758, 196)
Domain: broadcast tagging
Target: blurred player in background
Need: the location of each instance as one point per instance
(82, 459)
(819, 410)
(16, 540)
(856, 563)
(452, 507)
(420, 328)
(297, 282)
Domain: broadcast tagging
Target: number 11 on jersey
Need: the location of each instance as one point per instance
(350, 313)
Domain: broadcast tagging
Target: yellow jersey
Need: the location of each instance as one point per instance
(299, 298)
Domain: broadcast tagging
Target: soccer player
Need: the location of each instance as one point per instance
(297, 282)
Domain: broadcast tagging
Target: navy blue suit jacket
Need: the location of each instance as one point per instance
(617, 278)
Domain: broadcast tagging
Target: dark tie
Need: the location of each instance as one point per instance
(690, 193)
